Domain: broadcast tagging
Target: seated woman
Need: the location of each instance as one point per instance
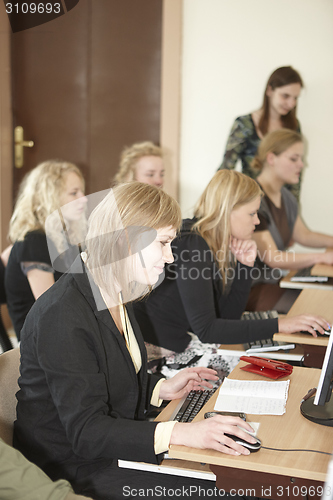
(29, 271)
(206, 289)
(84, 388)
(280, 161)
(277, 111)
(142, 162)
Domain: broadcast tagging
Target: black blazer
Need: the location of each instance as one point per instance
(191, 299)
(80, 405)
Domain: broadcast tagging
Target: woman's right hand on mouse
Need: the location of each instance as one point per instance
(210, 434)
(304, 323)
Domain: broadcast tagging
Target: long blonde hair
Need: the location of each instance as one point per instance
(275, 142)
(226, 191)
(116, 226)
(130, 157)
(39, 196)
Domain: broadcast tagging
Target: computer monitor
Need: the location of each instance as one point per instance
(319, 408)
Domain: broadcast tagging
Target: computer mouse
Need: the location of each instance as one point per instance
(251, 447)
(326, 332)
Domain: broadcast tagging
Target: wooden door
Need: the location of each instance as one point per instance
(87, 84)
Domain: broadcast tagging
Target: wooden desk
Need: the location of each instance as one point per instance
(317, 270)
(323, 269)
(311, 302)
(292, 355)
(271, 474)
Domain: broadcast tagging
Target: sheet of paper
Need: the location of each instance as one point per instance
(254, 397)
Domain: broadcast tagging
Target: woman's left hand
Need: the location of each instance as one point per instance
(245, 251)
(185, 381)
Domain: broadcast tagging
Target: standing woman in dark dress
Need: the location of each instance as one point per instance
(29, 273)
(277, 111)
(84, 387)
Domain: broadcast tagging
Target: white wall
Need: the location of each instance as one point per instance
(230, 47)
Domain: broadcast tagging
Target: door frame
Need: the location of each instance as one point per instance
(172, 30)
(6, 130)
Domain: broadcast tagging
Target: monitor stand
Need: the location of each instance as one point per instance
(319, 414)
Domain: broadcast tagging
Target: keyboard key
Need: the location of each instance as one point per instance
(266, 344)
(193, 403)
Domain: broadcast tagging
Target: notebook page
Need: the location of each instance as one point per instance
(256, 397)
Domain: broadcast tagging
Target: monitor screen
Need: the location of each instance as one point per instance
(324, 389)
(319, 408)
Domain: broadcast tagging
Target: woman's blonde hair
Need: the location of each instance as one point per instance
(124, 222)
(275, 142)
(39, 196)
(226, 191)
(130, 157)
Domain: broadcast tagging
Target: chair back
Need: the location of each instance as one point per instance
(9, 374)
(5, 342)
(3, 298)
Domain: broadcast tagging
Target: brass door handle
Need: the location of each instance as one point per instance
(19, 145)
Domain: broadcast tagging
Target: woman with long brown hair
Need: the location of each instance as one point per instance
(278, 110)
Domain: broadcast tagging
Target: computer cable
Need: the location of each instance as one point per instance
(296, 449)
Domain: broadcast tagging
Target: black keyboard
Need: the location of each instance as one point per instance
(266, 344)
(304, 275)
(260, 315)
(192, 404)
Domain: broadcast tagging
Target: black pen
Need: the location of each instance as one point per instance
(310, 393)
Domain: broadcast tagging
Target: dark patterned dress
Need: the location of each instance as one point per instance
(242, 144)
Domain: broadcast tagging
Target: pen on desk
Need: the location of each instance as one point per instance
(310, 393)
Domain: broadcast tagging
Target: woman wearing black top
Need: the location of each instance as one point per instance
(29, 273)
(84, 387)
(206, 289)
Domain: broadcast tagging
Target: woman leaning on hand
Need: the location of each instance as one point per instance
(207, 287)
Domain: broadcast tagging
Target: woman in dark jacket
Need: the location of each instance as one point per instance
(84, 389)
